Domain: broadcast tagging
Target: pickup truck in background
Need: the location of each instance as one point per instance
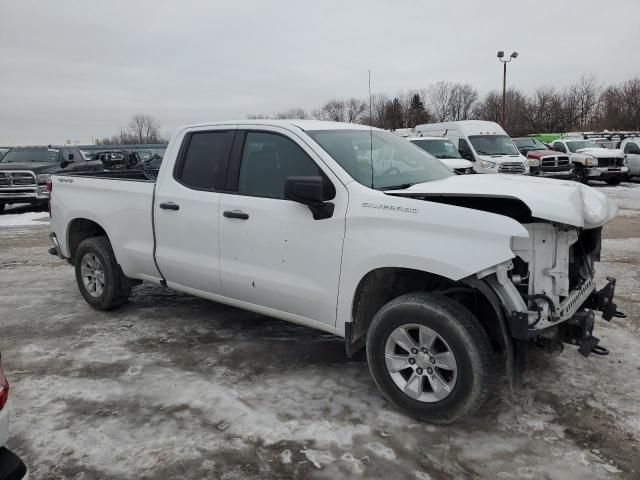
(542, 161)
(354, 231)
(592, 162)
(24, 172)
(631, 149)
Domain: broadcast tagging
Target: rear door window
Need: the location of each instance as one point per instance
(204, 158)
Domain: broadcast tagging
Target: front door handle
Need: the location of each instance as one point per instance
(170, 206)
(236, 214)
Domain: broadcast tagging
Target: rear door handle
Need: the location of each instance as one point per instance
(236, 214)
(169, 206)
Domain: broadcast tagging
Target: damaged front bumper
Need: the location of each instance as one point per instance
(576, 329)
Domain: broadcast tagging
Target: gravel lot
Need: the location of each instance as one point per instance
(171, 386)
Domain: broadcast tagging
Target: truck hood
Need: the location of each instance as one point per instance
(503, 158)
(35, 167)
(544, 153)
(565, 202)
(456, 162)
(602, 152)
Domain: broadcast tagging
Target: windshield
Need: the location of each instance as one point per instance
(529, 144)
(391, 163)
(577, 145)
(49, 155)
(438, 148)
(493, 145)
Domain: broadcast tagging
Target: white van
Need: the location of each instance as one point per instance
(483, 143)
(445, 151)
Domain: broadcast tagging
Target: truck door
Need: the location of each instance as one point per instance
(273, 253)
(186, 209)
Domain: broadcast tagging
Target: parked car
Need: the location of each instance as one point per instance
(11, 466)
(24, 172)
(445, 151)
(542, 161)
(483, 143)
(592, 162)
(631, 149)
(351, 230)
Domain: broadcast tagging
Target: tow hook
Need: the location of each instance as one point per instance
(602, 300)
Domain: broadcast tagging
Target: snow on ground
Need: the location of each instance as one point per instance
(23, 219)
(171, 386)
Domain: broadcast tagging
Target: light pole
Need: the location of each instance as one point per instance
(504, 82)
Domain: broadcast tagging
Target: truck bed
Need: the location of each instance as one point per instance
(119, 202)
(132, 175)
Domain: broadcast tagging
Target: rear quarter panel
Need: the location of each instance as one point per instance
(121, 207)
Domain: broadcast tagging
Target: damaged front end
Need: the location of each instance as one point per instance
(549, 289)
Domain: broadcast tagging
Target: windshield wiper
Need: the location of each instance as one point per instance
(402, 186)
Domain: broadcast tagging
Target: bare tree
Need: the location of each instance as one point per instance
(582, 100)
(490, 108)
(546, 110)
(462, 98)
(292, 113)
(439, 100)
(333, 110)
(375, 118)
(355, 109)
(144, 128)
(631, 103)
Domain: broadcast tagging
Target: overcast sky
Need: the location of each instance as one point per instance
(79, 69)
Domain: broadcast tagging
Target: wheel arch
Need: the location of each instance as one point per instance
(80, 229)
(381, 285)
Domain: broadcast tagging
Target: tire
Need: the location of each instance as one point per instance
(1, 208)
(613, 181)
(581, 174)
(95, 257)
(457, 331)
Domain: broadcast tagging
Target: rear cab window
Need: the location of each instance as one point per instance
(203, 159)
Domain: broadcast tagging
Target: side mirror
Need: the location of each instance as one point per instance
(65, 162)
(309, 191)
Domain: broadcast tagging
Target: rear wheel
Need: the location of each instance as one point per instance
(99, 277)
(430, 357)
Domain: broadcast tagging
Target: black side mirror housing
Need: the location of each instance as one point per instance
(309, 191)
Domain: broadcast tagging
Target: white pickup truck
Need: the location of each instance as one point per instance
(357, 232)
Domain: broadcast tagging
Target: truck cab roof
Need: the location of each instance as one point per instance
(307, 125)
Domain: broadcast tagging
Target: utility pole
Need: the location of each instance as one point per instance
(504, 82)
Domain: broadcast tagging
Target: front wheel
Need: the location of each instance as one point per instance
(581, 174)
(430, 357)
(613, 181)
(99, 277)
